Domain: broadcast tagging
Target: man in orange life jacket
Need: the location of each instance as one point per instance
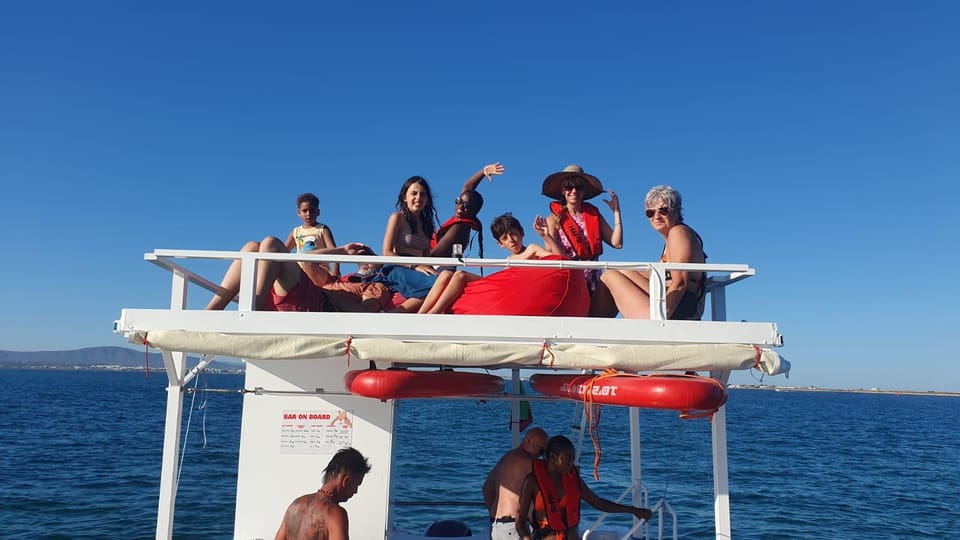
(553, 492)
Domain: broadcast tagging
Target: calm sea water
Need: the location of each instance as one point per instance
(80, 458)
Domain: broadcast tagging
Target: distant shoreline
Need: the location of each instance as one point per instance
(239, 371)
(843, 390)
(231, 371)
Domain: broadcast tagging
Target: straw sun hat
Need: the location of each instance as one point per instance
(553, 185)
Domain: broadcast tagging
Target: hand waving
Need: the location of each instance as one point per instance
(613, 202)
(493, 168)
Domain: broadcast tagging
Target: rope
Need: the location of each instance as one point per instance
(146, 354)
(593, 411)
(546, 350)
(349, 342)
(593, 419)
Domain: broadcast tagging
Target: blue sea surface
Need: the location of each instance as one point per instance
(80, 457)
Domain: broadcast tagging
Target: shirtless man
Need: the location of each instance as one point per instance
(501, 490)
(319, 516)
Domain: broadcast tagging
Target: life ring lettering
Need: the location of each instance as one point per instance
(582, 389)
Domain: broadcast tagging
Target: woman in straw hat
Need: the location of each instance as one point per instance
(578, 226)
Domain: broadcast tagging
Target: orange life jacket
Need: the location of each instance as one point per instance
(560, 517)
(587, 243)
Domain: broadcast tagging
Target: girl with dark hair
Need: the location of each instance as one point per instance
(411, 230)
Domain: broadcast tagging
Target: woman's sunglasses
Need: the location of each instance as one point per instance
(663, 210)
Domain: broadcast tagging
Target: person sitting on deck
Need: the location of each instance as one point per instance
(283, 285)
(509, 234)
(684, 290)
(411, 230)
(319, 515)
(501, 490)
(551, 495)
(580, 227)
(311, 234)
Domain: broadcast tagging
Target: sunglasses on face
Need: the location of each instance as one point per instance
(461, 202)
(663, 210)
(571, 187)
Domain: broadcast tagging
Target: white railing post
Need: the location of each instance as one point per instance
(515, 408)
(175, 364)
(718, 428)
(248, 279)
(658, 298)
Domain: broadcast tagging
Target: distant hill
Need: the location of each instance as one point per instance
(94, 357)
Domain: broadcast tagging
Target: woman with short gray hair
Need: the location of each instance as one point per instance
(684, 290)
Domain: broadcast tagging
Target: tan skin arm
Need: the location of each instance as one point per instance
(282, 532)
(486, 172)
(390, 235)
(610, 507)
(612, 235)
(291, 243)
(542, 226)
(328, 241)
(681, 243)
(528, 491)
(490, 489)
(338, 526)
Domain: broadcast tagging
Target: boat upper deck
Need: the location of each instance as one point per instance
(456, 340)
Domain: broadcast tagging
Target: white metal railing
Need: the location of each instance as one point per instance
(661, 508)
(725, 274)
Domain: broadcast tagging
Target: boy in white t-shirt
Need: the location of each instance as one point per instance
(311, 234)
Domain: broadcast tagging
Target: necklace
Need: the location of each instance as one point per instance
(328, 494)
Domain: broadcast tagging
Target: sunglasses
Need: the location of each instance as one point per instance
(571, 187)
(663, 210)
(461, 202)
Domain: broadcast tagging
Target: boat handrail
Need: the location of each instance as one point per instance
(724, 274)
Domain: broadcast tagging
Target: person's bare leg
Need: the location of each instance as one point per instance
(410, 305)
(436, 291)
(632, 301)
(282, 276)
(453, 291)
(230, 285)
(639, 278)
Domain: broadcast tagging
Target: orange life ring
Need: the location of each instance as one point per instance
(385, 384)
(675, 392)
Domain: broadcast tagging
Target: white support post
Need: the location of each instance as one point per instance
(718, 429)
(636, 471)
(515, 409)
(658, 297)
(175, 364)
(169, 468)
(248, 280)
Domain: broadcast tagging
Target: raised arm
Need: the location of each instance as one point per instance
(486, 172)
(549, 237)
(612, 235)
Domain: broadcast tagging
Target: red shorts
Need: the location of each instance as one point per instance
(305, 296)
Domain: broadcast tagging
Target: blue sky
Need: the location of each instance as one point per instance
(815, 141)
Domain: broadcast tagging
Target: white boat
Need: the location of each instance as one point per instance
(296, 413)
